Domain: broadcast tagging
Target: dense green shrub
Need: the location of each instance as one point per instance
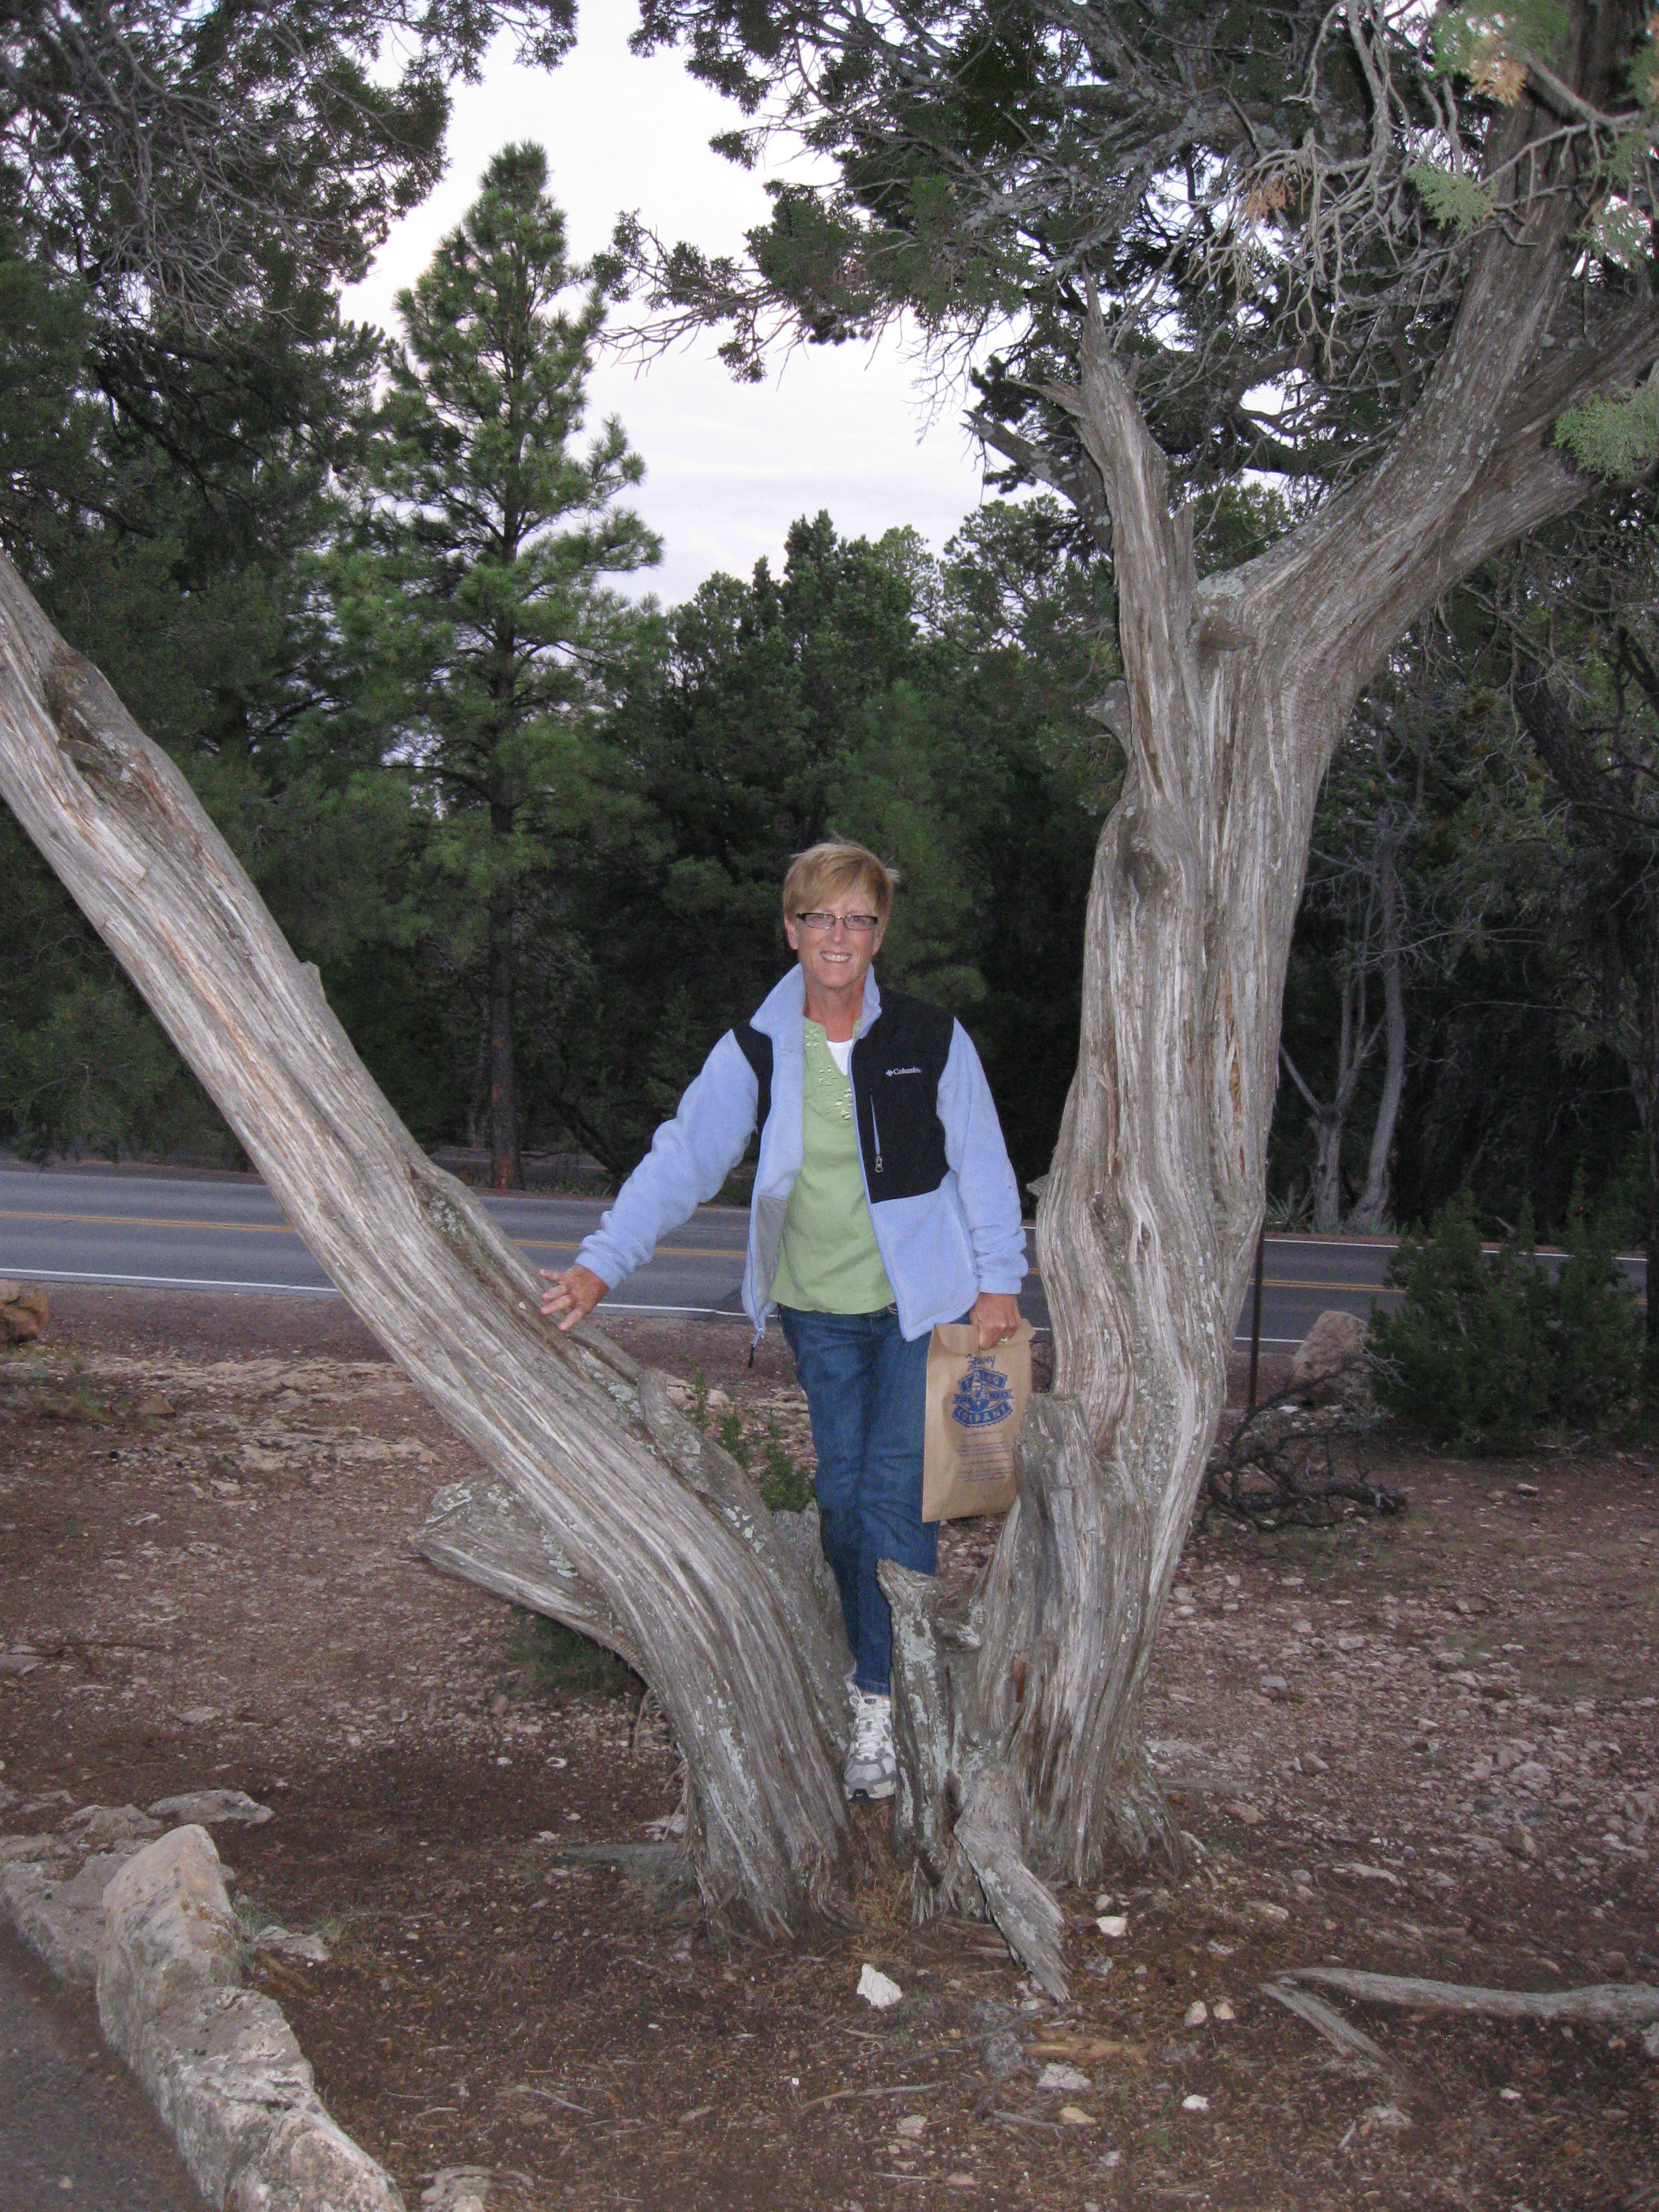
(1488, 1351)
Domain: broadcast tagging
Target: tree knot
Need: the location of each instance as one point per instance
(70, 687)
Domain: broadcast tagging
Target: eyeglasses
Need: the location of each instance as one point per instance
(855, 924)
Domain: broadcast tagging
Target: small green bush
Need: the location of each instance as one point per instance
(551, 1657)
(784, 1483)
(1489, 1351)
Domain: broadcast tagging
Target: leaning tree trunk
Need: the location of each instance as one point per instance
(661, 1533)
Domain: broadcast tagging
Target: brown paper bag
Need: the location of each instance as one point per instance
(976, 1403)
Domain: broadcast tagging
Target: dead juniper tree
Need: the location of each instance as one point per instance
(1301, 240)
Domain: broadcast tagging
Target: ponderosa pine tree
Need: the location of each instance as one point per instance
(474, 597)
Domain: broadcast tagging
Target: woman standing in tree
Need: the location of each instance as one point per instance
(884, 1203)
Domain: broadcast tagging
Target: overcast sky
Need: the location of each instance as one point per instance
(728, 466)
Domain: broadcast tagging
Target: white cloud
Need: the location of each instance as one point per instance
(729, 466)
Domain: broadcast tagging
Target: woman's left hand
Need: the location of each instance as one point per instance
(996, 1315)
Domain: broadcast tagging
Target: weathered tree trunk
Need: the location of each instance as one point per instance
(1239, 688)
(658, 1525)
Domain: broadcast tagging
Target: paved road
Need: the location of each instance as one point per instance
(113, 1225)
(75, 2129)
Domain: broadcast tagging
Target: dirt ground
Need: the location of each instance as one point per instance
(206, 1507)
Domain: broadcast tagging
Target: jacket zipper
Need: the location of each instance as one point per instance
(875, 1134)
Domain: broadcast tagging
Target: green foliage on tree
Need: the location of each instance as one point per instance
(472, 597)
(933, 710)
(1492, 1352)
(176, 545)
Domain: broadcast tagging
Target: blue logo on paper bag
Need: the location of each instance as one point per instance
(983, 1397)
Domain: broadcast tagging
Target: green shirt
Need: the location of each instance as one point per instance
(827, 1261)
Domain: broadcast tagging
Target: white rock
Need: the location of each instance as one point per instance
(1197, 2014)
(1113, 1923)
(61, 1922)
(39, 1848)
(1194, 2104)
(875, 1990)
(457, 2189)
(1651, 2040)
(311, 1948)
(1224, 2011)
(219, 2062)
(106, 1827)
(1003, 2055)
(1074, 2117)
(206, 1806)
(1388, 2116)
(1060, 2076)
(1330, 1362)
(912, 2127)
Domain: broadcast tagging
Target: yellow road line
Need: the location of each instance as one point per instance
(527, 1243)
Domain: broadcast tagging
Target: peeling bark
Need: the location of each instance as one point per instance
(1237, 690)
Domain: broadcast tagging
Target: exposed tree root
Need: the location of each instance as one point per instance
(1023, 1907)
(484, 1531)
(1603, 2004)
(1325, 2020)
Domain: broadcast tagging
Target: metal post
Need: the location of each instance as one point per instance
(1256, 1318)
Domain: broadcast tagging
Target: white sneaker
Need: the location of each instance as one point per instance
(871, 1767)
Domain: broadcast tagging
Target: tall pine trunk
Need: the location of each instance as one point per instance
(1372, 1205)
(506, 1169)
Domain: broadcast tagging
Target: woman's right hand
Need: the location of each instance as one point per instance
(576, 1292)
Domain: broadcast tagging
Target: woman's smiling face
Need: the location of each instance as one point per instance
(836, 959)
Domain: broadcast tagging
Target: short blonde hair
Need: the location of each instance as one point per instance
(826, 871)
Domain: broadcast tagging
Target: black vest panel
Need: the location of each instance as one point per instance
(897, 1066)
(756, 1048)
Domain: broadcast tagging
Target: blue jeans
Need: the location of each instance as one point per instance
(866, 1390)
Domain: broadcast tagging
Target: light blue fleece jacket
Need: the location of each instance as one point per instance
(941, 1248)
